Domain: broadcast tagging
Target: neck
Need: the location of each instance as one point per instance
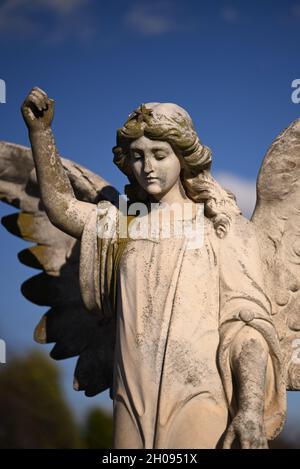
(177, 199)
(175, 195)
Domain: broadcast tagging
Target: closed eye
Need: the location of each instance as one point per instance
(136, 155)
(160, 155)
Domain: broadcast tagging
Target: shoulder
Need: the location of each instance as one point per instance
(107, 219)
(239, 226)
(241, 239)
(105, 209)
(242, 228)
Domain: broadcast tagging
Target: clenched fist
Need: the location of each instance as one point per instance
(38, 110)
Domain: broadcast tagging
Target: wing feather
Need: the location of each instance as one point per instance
(277, 217)
(67, 324)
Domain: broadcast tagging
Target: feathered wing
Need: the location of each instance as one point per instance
(277, 217)
(74, 330)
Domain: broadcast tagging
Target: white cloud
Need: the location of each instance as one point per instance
(68, 18)
(243, 189)
(12, 19)
(142, 20)
(155, 18)
(230, 14)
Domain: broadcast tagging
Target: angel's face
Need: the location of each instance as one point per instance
(155, 165)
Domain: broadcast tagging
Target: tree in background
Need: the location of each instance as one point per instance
(98, 430)
(33, 410)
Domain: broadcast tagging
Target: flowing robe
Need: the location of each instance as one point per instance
(178, 312)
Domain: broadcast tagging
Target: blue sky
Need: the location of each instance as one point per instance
(229, 63)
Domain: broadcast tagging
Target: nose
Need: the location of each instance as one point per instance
(148, 165)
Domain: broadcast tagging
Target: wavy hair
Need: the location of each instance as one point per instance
(171, 123)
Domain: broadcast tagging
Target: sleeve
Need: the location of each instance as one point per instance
(95, 269)
(243, 303)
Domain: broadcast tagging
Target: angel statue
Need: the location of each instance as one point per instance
(197, 346)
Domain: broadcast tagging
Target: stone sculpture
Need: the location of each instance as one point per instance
(197, 345)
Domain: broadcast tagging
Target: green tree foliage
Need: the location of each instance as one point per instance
(98, 430)
(33, 411)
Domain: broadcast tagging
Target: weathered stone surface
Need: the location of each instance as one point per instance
(198, 345)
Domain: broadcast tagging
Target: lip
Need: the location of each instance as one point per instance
(150, 179)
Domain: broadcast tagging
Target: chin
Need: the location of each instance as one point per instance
(153, 189)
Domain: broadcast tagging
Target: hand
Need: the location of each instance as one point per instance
(248, 428)
(38, 110)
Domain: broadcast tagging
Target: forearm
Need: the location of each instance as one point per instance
(61, 205)
(249, 357)
(63, 209)
(55, 187)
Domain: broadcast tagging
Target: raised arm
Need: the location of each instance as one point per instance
(63, 209)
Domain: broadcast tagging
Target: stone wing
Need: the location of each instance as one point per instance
(74, 330)
(277, 217)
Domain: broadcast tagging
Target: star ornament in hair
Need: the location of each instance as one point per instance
(141, 114)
